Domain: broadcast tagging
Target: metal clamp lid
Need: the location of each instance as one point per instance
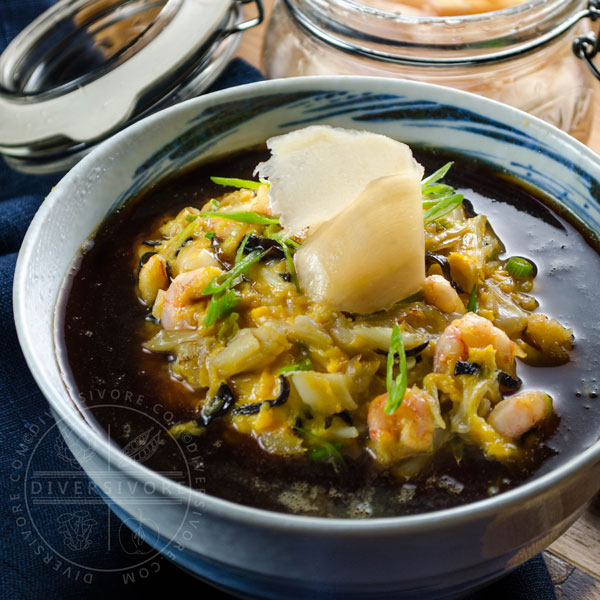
(86, 68)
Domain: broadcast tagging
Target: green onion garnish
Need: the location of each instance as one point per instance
(223, 281)
(289, 259)
(243, 217)
(440, 198)
(219, 306)
(228, 328)
(292, 243)
(239, 255)
(519, 267)
(416, 297)
(322, 450)
(472, 305)
(396, 388)
(210, 235)
(434, 177)
(443, 207)
(237, 183)
(437, 190)
(302, 365)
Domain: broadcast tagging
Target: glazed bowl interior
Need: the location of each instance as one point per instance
(221, 123)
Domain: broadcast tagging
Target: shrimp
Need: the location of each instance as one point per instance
(472, 331)
(407, 432)
(152, 278)
(516, 415)
(179, 298)
(439, 292)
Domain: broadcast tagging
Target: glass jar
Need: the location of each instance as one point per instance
(521, 56)
(85, 69)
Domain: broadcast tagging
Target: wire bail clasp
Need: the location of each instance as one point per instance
(587, 46)
(250, 23)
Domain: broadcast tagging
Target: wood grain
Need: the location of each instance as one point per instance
(574, 559)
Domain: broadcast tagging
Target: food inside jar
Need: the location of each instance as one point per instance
(441, 8)
(430, 402)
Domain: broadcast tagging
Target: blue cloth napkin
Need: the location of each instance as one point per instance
(45, 550)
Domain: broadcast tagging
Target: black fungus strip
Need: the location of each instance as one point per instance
(286, 276)
(464, 367)
(416, 350)
(217, 406)
(152, 243)
(255, 242)
(508, 383)
(168, 269)
(469, 209)
(345, 416)
(145, 258)
(219, 254)
(254, 408)
(328, 422)
(284, 392)
(185, 243)
(442, 262)
(408, 353)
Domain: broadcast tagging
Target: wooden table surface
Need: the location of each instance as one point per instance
(574, 559)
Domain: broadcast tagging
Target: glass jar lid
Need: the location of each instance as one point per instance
(85, 69)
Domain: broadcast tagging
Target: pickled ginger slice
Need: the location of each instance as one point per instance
(314, 173)
(372, 254)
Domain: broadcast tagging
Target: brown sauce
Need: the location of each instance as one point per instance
(107, 371)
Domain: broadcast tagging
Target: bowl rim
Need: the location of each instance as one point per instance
(64, 407)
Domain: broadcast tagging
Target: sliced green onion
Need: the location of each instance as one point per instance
(472, 304)
(437, 190)
(188, 231)
(443, 207)
(292, 243)
(239, 255)
(210, 235)
(429, 203)
(519, 267)
(289, 259)
(302, 365)
(396, 387)
(237, 183)
(228, 328)
(271, 230)
(219, 306)
(242, 217)
(439, 174)
(223, 281)
(322, 450)
(412, 298)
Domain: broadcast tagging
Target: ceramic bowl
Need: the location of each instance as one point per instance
(257, 553)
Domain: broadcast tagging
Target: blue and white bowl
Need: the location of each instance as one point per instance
(253, 552)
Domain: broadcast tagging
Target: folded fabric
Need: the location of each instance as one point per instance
(32, 535)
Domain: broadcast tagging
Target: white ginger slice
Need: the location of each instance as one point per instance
(314, 173)
(372, 254)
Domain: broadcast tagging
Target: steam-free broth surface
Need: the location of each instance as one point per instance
(102, 327)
